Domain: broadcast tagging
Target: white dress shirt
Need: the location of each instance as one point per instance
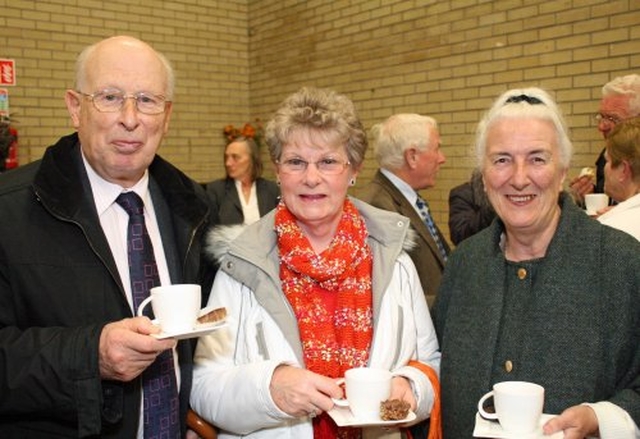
(250, 209)
(115, 221)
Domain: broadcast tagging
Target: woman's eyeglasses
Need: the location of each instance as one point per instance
(327, 166)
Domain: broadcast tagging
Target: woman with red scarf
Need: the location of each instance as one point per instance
(320, 285)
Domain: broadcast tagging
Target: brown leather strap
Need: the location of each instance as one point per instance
(435, 423)
(200, 426)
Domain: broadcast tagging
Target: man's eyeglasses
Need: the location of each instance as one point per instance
(110, 101)
(599, 117)
(531, 100)
(327, 166)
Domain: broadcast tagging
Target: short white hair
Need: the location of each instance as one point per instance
(398, 133)
(523, 103)
(625, 85)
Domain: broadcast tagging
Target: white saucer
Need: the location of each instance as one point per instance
(492, 429)
(197, 331)
(344, 418)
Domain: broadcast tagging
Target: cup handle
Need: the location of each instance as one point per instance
(340, 402)
(481, 410)
(144, 303)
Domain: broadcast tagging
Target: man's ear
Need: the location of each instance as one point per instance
(167, 116)
(410, 157)
(72, 99)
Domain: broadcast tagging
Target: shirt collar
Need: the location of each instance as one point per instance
(409, 193)
(105, 192)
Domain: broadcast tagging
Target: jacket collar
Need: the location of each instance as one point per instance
(220, 238)
(572, 219)
(250, 255)
(62, 185)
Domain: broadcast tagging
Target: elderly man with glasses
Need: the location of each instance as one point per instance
(84, 233)
(620, 101)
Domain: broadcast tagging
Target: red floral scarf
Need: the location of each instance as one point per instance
(331, 296)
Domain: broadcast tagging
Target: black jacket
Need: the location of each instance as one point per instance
(225, 201)
(59, 286)
(469, 209)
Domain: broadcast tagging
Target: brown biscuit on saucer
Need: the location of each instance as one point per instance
(394, 410)
(213, 316)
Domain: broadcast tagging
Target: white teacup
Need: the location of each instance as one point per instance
(366, 388)
(176, 307)
(595, 202)
(518, 405)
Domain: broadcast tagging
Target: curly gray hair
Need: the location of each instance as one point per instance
(321, 111)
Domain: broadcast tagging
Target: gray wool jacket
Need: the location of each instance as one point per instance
(569, 321)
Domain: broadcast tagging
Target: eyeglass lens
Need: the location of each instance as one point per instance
(114, 100)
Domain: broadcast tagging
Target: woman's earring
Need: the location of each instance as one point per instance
(352, 182)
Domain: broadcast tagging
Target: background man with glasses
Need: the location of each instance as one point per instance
(620, 101)
(72, 356)
(407, 147)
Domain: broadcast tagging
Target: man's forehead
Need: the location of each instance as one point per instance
(617, 105)
(130, 67)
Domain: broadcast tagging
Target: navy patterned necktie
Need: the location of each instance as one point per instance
(423, 207)
(160, 390)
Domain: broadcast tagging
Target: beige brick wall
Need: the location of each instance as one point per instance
(236, 60)
(206, 41)
(448, 59)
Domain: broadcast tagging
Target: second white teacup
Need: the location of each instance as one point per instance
(518, 405)
(176, 307)
(595, 202)
(366, 388)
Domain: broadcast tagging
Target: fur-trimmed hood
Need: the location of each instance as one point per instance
(220, 238)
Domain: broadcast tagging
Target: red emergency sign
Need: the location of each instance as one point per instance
(7, 72)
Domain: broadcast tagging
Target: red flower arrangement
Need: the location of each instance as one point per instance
(254, 132)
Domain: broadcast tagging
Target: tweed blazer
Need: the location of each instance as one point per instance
(426, 257)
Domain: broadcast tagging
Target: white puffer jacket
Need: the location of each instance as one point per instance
(233, 366)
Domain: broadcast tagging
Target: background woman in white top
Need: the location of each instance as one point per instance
(243, 196)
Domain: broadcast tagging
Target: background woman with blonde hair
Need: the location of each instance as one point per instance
(622, 177)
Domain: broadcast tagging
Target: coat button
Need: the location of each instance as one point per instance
(229, 265)
(508, 366)
(522, 273)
